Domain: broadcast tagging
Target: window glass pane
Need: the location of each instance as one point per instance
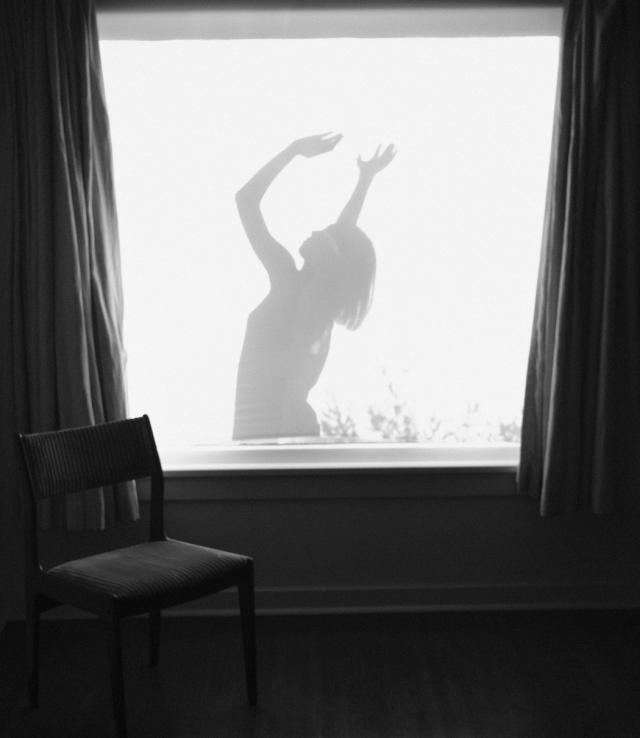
(455, 220)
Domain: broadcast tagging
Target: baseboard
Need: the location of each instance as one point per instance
(454, 597)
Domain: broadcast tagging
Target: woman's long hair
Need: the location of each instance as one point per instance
(357, 274)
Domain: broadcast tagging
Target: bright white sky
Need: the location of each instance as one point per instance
(456, 219)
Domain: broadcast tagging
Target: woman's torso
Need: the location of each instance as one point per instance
(285, 348)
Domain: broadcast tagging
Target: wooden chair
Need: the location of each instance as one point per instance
(143, 578)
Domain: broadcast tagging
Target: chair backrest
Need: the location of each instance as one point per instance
(78, 459)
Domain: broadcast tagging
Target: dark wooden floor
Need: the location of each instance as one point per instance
(507, 675)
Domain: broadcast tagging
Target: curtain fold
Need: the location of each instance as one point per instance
(581, 425)
(61, 311)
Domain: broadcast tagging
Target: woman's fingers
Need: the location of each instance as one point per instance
(319, 144)
(379, 160)
(328, 141)
(389, 153)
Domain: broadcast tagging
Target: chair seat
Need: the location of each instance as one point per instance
(149, 570)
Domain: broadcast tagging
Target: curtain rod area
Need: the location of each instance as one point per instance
(452, 20)
(187, 5)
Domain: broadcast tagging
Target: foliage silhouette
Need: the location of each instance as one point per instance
(394, 422)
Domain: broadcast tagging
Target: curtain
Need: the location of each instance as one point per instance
(61, 295)
(581, 424)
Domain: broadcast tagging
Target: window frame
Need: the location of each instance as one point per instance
(155, 19)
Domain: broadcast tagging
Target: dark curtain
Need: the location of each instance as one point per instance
(581, 425)
(60, 290)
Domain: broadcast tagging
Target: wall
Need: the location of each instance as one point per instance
(407, 540)
(363, 541)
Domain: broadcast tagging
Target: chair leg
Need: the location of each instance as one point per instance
(114, 643)
(154, 636)
(247, 618)
(33, 647)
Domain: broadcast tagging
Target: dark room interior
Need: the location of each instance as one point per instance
(476, 600)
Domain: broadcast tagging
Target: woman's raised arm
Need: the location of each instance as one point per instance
(272, 254)
(368, 170)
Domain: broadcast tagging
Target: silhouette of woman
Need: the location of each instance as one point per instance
(287, 338)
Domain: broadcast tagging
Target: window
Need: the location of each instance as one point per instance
(199, 101)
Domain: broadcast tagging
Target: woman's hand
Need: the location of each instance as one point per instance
(313, 145)
(378, 161)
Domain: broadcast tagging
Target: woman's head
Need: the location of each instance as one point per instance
(354, 257)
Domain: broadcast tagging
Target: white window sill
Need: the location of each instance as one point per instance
(198, 461)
